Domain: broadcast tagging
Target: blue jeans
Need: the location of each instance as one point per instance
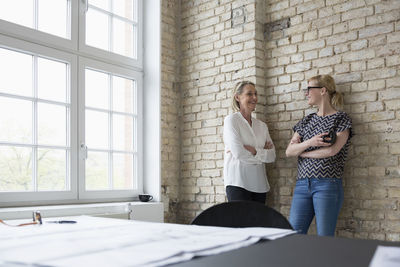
(320, 197)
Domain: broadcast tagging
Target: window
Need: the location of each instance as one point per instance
(70, 124)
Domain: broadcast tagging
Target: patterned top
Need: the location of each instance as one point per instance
(311, 125)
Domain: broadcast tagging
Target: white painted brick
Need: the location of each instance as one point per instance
(326, 21)
(374, 106)
(342, 38)
(361, 97)
(312, 35)
(375, 63)
(342, 68)
(375, 30)
(284, 79)
(298, 67)
(283, 60)
(326, 52)
(379, 74)
(285, 50)
(357, 23)
(358, 66)
(359, 87)
(360, 44)
(389, 94)
(357, 13)
(287, 88)
(323, 62)
(393, 60)
(311, 45)
(378, 116)
(297, 105)
(310, 6)
(359, 55)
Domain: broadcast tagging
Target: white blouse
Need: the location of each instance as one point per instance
(241, 168)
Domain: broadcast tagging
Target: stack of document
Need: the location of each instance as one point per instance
(94, 241)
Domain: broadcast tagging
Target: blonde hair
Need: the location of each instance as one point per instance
(335, 97)
(238, 91)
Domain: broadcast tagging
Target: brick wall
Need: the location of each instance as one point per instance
(358, 43)
(221, 44)
(278, 44)
(170, 108)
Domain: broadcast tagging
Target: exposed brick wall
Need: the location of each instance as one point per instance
(358, 43)
(170, 108)
(217, 52)
(279, 45)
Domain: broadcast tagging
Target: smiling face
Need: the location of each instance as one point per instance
(313, 95)
(247, 99)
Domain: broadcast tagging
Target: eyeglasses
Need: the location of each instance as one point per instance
(307, 90)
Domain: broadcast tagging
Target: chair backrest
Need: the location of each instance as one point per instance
(242, 214)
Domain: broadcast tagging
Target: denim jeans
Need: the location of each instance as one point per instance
(320, 197)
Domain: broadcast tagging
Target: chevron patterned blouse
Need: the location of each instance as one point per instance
(311, 125)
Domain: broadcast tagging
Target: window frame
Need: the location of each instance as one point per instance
(20, 38)
(106, 55)
(123, 72)
(45, 52)
(40, 37)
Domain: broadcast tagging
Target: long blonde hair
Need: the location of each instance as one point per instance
(335, 97)
(238, 91)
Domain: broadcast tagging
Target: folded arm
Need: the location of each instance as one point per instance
(325, 152)
(233, 141)
(296, 148)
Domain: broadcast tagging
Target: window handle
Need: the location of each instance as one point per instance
(84, 151)
(86, 3)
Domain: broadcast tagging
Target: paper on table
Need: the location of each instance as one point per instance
(386, 256)
(110, 242)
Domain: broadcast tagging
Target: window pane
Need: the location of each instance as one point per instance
(17, 11)
(97, 171)
(123, 38)
(52, 80)
(97, 30)
(96, 129)
(123, 8)
(123, 94)
(52, 125)
(15, 120)
(15, 169)
(51, 170)
(15, 72)
(122, 133)
(122, 171)
(53, 16)
(96, 89)
(103, 4)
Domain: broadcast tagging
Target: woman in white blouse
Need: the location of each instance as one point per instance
(248, 146)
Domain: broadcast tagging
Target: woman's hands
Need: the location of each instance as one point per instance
(318, 140)
(268, 145)
(253, 151)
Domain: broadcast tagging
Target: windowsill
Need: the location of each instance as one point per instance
(145, 211)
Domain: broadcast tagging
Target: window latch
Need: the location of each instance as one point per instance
(84, 151)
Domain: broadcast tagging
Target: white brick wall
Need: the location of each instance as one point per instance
(350, 40)
(356, 41)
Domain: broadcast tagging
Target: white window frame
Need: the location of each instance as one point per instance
(17, 37)
(71, 60)
(110, 56)
(39, 37)
(138, 134)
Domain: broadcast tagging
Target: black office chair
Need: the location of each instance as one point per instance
(242, 214)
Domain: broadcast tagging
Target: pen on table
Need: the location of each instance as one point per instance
(61, 221)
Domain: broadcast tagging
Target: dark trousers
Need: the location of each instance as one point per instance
(235, 193)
